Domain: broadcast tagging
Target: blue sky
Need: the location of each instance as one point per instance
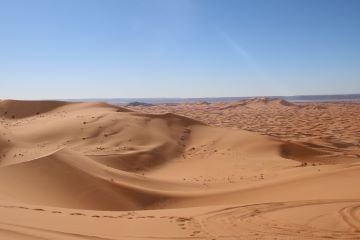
(178, 48)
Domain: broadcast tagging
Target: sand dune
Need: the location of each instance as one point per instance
(98, 171)
(330, 126)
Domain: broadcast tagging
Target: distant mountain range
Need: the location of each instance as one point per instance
(299, 98)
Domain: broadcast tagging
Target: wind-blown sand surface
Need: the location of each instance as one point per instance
(98, 171)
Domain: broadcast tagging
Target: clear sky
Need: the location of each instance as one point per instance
(178, 48)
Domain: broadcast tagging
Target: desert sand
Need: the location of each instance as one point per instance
(253, 169)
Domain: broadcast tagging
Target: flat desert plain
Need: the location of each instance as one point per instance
(253, 169)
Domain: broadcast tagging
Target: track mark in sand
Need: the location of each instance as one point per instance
(257, 222)
(351, 216)
(129, 215)
(45, 234)
(12, 206)
(77, 214)
(38, 209)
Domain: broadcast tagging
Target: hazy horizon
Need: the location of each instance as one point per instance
(178, 49)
